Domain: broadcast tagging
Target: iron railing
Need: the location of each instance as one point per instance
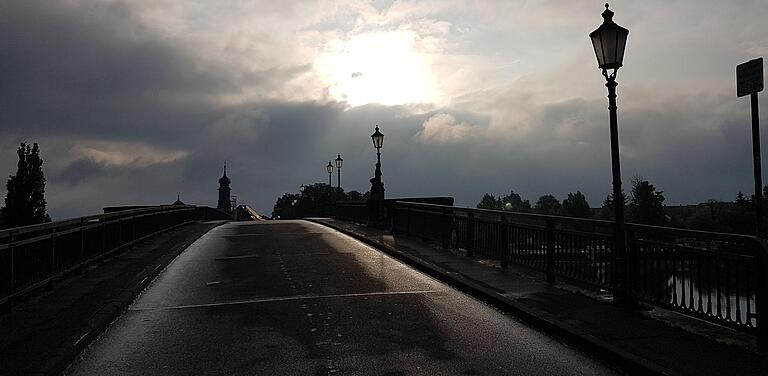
(715, 276)
(34, 256)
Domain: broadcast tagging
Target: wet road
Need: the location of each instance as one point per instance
(296, 298)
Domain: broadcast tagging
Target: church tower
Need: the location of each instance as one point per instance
(224, 191)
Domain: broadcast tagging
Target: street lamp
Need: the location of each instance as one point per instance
(329, 169)
(339, 163)
(609, 41)
(377, 186)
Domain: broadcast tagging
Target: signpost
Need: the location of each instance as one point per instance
(749, 81)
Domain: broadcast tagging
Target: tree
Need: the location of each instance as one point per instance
(606, 211)
(355, 196)
(489, 202)
(646, 205)
(25, 202)
(285, 206)
(548, 204)
(741, 200)
(576, 205)
(513, 202)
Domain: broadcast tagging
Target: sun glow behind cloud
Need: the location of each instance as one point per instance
(380, 67)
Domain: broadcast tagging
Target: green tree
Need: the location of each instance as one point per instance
(25, 202)
(548, 204)
(576, 205)
(646, 205)
(513, 202)
(489, 202)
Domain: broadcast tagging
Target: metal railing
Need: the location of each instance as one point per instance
(715, 276)
(33, 256)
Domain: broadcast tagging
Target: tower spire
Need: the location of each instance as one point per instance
(224, 203)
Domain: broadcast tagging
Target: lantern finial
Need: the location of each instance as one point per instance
(608, 14)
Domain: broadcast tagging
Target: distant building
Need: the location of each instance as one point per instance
(225, 203)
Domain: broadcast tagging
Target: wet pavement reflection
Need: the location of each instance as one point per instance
(295, 298)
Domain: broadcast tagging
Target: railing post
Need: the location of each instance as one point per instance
(81, 255)
(504, 242)
(395, 211)
(103, 236)
(446, 225)
(761, 297)
(633, 264)
(11, 274)
(550, 256)
(49, 285)
(470, 234)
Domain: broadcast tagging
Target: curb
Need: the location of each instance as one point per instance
(594, 346)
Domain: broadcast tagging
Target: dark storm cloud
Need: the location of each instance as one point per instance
(78, 171)
(74, 72)
(93, 69)
(153, 114)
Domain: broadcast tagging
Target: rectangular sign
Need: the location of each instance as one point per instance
(749, 77)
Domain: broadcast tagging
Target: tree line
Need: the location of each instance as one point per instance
(645, 205)
(316, 199)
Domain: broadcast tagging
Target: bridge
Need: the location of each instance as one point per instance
(423, 288)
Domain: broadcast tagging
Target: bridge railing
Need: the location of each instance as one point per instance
(33, 256)
(355, 211)
(715, 276)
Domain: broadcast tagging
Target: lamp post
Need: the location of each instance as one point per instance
(609, 41)
(301, 188)
(329, 169)
(376, 202)
(339, 163)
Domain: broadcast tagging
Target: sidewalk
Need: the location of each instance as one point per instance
(44, 333)
(656, 342)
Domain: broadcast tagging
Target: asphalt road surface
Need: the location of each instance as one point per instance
(296, 298)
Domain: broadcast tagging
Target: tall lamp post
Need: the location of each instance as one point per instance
(609, 41)
(376, 202)
(329, 169)
(339, 163)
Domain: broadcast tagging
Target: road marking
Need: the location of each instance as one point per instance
(274, 234)
(235, 257)
(213, 283)
(284, 299)
(226, 258)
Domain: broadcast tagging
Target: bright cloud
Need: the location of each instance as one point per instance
(125, 154)
(445, 128)
(380, 67)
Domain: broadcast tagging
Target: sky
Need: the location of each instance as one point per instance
(134, 102)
